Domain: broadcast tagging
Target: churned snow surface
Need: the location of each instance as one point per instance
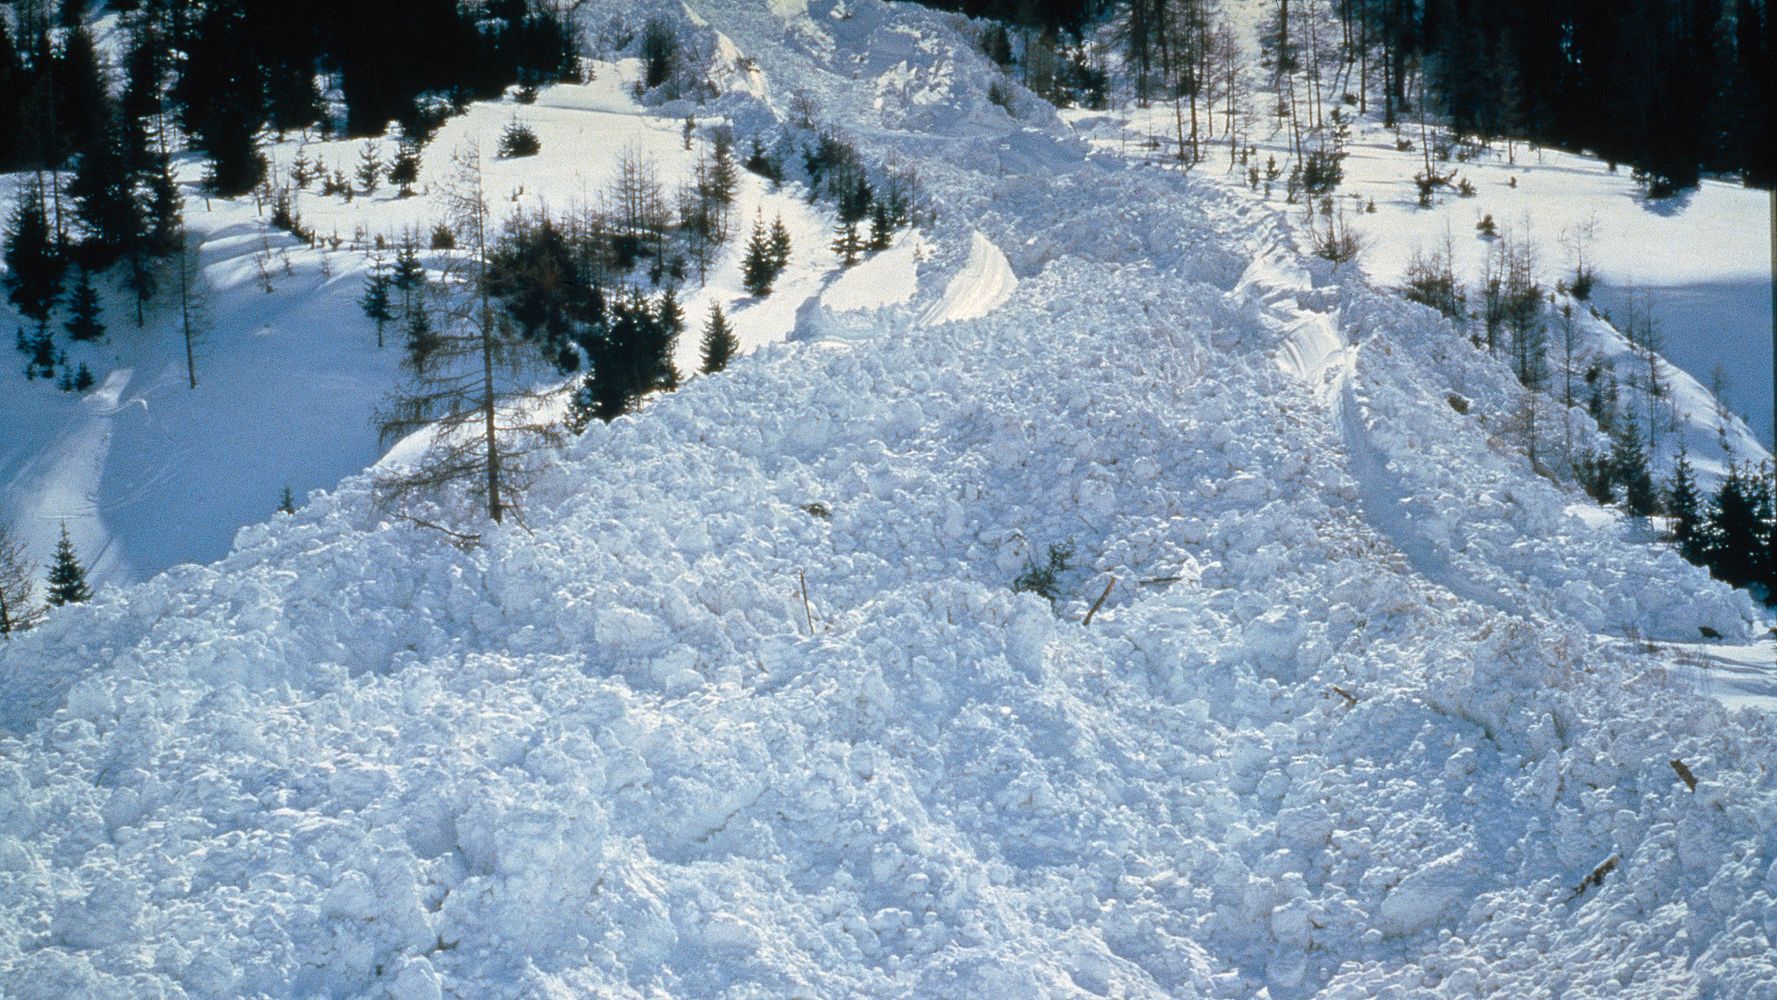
(747, 707)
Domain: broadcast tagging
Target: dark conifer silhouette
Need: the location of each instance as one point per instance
(67, 578)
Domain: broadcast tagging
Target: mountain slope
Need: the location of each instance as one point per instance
(749, 708)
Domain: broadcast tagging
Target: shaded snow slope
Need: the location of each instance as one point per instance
(1356, 716)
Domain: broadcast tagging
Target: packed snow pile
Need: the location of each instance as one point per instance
(1314, 687)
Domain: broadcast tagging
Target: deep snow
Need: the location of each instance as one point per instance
(1364, 706)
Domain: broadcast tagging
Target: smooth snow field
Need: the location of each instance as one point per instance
(747, 706)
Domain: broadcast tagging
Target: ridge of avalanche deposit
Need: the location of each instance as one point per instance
(1356, 719)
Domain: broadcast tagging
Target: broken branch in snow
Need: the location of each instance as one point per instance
(462, 540)
(806, 610)
(1100, 602)
(1604, 868)
(1350, 699)
(1684, 774)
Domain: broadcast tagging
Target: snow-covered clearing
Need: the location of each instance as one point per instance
(748, 707)
(148, 473)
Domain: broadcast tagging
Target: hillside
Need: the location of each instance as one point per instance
(1335, 697)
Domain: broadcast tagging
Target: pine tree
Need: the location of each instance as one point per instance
(287, 501)
(376, 302)
(83, 378)
(669, 320)
(17, 611)
(1629, 470)
(83, 309)
(105, 200)
(719, 341)
(67, 579)
(410, 274)
(1684, 505)
(758, 269)
(33, 264)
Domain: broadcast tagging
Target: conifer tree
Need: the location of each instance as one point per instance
(779, 246)
(1629, 470)
(370, 167)
(404, 170)
(287, 501)
(67, 578)
(847, 244)
(17, 611)
(83, 309)
(42, 350)
(669, 320)
(409, 277)
(1738, 542)
(83, 378)
(882, 227)
(758, 269)
(376, 301)
(33, 263)
(719, 341)
(1684, 506)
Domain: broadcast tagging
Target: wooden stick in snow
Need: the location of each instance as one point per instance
(1100, 602)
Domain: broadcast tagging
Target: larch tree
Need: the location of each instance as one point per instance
(17, 610)
(467, 389)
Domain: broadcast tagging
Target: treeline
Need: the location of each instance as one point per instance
(220, 71)
(1671, 88)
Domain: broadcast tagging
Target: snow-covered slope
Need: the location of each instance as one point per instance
(147, 472)
(749, 708)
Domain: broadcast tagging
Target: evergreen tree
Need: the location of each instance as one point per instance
(758, 267)
(105, 201)
(82, 108)
(1739, 529)
(376, 302)
(847, 244)
(370, 167)
(83, 321)
(669, 321)
(83, 378)
(287, 501)
(67, 579)
(17, 611)
(882, 227)
(1684, 505)
(42, 350)
(779, 246)
(1629, 471)
(719, 341)
(409, 277)
(33, 264)
(404, 170)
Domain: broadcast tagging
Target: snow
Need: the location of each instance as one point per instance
(147, 473)
(748, 707)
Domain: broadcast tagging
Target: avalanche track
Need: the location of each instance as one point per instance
(613, 752)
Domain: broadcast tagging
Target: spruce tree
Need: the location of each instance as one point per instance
(17, 611)
(758, 269)
(33, 263)
(719, 341)
(847, 244)
(1629, 470)
(42, 349)
(669, 322)
(1739, 529)
(404, 170)
(83, 378)
(67, 579)
(1684, 505)
(376, 302)
(83, 321)
(882, 227)
(370, 167)
(779, 246)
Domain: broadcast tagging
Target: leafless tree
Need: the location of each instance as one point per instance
(472, 387)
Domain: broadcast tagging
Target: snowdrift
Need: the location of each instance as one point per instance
(748, 707)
